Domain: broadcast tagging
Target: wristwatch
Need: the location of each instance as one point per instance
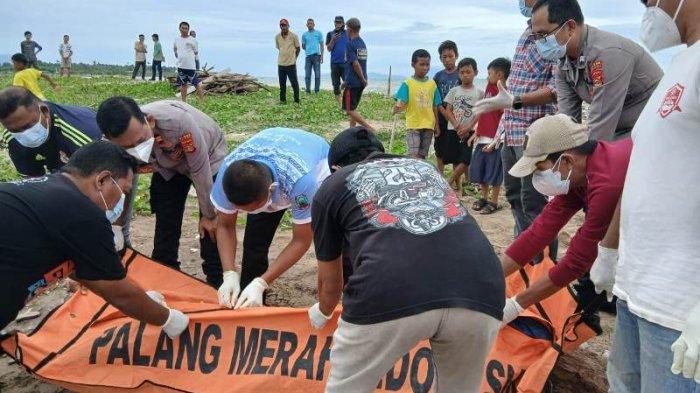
(517, 102)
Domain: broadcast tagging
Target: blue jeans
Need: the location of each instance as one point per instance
(641, 357)
(313, 61)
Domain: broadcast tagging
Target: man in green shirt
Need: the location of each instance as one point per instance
(158, 58)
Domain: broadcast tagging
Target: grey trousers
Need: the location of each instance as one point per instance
(460, 340)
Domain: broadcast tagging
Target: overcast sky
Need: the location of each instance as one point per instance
(240, 35)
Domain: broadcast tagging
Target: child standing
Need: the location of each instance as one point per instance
(29, 77)
(460, 102)
(420, 98)
(487, 167)
(446, 79)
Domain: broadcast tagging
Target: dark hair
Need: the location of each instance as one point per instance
(65, 35)
(501, 64)
(448, 45)
(246, 181)
(154, 35)
(310, 20)
(27, 32)
(467, 61)
(351, 146)
(115, 113)
(184, 23)
(141, 35)
(12, 98)
(561, 11)
(585, 150)
(20, 58)
(100, 156)
(353, 23)
(419, 54)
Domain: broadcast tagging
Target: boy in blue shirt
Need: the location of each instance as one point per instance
(446, 79)
(312, 42)
(355, 74)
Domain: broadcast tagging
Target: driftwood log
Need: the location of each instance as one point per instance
(225, 82)
(582, 371)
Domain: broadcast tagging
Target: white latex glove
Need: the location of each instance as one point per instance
(511, 311)
(686, 350)
(177, 323)
(118, 237)
(228, 291)
(317, 318)
(503, 100)
(157, 297)
(603, 271)
(252, 295)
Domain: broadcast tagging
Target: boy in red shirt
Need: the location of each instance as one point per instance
(487, 168)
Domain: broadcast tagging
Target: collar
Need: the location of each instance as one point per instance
(424, 79)
(566, 64)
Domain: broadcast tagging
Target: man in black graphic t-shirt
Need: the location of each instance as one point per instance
(422, 268)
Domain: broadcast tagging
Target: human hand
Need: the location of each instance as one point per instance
(207, 226)
(686, 349)
(472, 139)
(176, 323)
(511, 311)
(503, 100)
(317, 318)
(603, 271)
(118, 237)
(228, 291)
(252, 295)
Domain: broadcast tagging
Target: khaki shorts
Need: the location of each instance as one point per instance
(418, 142)
(66, 63)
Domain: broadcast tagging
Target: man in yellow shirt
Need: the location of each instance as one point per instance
(29, 77)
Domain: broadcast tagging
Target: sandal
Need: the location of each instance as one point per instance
(490, 208)
(479, 204)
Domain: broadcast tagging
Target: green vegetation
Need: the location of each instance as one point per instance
(239, 115)
(93, 68)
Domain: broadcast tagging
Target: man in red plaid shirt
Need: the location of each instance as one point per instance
(532, 95)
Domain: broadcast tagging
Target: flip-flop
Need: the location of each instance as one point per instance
(490, 208)
(479, 204)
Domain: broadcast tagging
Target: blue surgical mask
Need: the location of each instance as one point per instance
(550, 48)
(114, 213)
(34, 136)
(525, 10)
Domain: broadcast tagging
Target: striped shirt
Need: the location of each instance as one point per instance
(71, 128)
(529, 72)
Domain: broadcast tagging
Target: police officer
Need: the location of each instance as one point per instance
(61, 224)
(613, 74)
(182, 146)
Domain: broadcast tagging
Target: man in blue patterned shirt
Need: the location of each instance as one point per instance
(276, 169)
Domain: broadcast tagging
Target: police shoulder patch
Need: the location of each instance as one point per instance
(597, 75)
(187, 143)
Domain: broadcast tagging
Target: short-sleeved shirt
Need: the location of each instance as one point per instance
(140, 51)
(298, 161)
(71, 128)
(355, 50)
(66, 50)
(657, 273)
(29, 79)
(28, 49)
(186, 48)
(445, 81)
(462, 101)
(158, 51)
(312, 41)
(412, 244)
(287, 47)
(52, 221)
(421, 96)
(488, 122)
(529, 72)
(338, 51)
(188, 142)
(615, 75)
(605, 172)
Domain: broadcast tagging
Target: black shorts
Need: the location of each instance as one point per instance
(441, 142)
(351, 98)
(337, 74)
(187, 76)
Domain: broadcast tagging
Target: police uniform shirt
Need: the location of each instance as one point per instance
(50, 230)
(188, 142)
(614, 75)
(71, 127)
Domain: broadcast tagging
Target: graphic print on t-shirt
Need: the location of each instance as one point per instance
(405, 194)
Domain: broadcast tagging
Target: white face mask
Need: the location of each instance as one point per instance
(659, 30)
(549, 182)
(33, 136)
(142, 151)
(264, 208)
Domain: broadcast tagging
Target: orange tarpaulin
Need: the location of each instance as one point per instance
(86, 345)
